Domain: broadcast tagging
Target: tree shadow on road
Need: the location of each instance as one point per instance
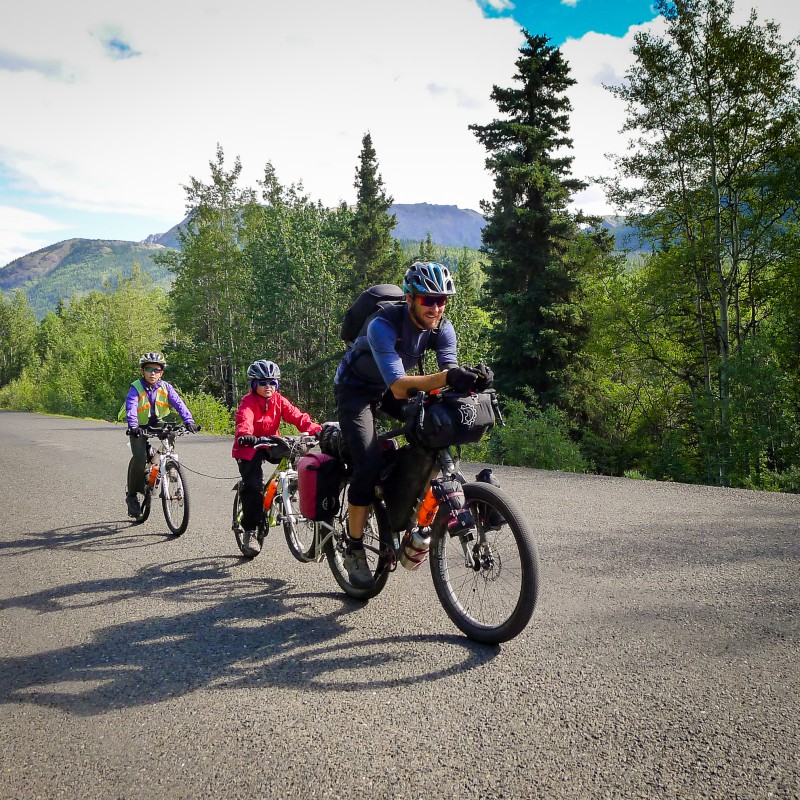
(240, 632)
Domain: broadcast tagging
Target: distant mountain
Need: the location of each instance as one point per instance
(76, 266)
(449, 226)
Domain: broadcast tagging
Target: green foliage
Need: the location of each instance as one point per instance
(537, 438)
(87, 353)
(716, 112)
(18, 335)
(208, 412)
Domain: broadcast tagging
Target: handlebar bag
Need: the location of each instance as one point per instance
(319, 479)
(456, 419)
(275, 453)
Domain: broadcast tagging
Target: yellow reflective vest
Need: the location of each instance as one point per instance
(143, 403)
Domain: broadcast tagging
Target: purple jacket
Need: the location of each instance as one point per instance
(131, 402)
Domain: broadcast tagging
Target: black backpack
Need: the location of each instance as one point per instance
(369, 303)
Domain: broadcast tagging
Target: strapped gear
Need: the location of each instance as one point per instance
(263, 370)
(428, 277)
(153, 358)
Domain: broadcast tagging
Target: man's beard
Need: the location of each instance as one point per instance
(421, 322)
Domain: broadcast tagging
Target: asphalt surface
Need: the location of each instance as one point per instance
(661, 661)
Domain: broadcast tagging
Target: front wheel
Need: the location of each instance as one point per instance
(175, 497)
(487, 578)
(298, 530)
(335, 550)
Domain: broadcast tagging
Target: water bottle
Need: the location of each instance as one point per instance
(416, 544)
(152, 475)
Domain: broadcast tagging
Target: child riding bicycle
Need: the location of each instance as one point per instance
(149, 401)
(259, 414)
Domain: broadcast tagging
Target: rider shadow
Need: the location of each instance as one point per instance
(244, 635)
(96, 536)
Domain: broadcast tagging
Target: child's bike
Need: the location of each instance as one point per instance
(165, 474)
(280, 500)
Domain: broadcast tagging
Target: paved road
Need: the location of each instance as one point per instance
(662, 661)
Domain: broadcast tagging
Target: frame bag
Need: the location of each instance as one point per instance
(319, 478)
(456, 419)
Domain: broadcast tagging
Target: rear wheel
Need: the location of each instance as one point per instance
(299, 531)
(487, 579)
(175, 497)
(335, 550)
(236, 524)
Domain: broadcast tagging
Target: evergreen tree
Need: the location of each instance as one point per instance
(531, 284)
(376, 255)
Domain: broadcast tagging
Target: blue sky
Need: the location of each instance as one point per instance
(110, 107)
(561, 20)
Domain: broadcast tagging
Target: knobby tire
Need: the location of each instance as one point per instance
(495, 602)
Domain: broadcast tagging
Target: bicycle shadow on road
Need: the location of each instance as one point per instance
(113, 535)
(239, 633)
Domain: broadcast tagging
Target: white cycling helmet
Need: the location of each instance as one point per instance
(153, 358)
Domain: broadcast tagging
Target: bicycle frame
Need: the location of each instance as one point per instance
(164, 450)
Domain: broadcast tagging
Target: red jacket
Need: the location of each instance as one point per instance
(258, 417)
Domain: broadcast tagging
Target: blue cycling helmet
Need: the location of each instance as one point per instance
(428, 277)
(263, 370)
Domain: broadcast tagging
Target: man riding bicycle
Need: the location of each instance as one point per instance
(373, 375)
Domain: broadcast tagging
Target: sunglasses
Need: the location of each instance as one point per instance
(153, 369)
(268, 382)
(430, 300)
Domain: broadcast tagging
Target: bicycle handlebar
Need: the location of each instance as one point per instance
(168, 429)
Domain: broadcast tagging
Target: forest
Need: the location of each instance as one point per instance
(679, 365)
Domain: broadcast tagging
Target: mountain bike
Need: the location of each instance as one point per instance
(280, 500)
(165, 474)
(483, 557)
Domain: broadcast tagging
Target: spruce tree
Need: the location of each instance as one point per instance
(376, 256)
(531, 286)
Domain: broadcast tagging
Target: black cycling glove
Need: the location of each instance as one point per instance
(136, 431)
(247, 441)
(485, 377)
(191, 427)
(461, 379)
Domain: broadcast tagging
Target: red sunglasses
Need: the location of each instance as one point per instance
(430, 300)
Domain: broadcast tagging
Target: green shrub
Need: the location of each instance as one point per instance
(22, 394)
(534, 438)
(210, 413)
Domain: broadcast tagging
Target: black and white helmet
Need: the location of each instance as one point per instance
(263, 369)
(428, 277)
(153, 358)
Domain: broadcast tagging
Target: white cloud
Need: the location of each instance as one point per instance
(16, 227)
